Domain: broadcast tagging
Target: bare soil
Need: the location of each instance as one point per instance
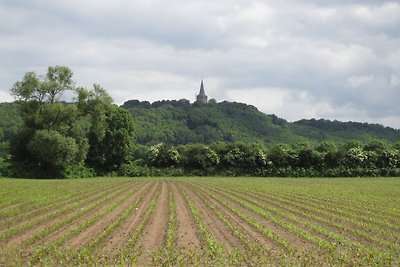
(21, 237)
(123, 233)
(155, 232)
(219, 231)
(291, 238)
(188, 233)
(85, 237)
(37, 212)
(60, 232)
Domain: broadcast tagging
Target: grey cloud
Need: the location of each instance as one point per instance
(340, 57)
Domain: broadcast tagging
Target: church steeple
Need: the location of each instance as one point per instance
(202, 97)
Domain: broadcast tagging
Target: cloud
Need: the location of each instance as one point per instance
(330, 59)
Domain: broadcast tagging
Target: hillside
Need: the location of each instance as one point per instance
(180, 122)
(320, 130)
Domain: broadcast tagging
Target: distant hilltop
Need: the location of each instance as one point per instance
(180, 122)
(202, 97)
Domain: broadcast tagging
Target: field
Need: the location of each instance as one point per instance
(200, 221)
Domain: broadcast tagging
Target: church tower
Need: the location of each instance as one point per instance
(202, 97)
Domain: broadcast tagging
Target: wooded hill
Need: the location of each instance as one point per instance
(179, 122)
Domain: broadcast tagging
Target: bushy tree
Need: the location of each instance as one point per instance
(54, 151)
(162, 155)
(44, 88)
(110, 129)
(199, 156)
(58, 136)
(280, 155)
(308, 157)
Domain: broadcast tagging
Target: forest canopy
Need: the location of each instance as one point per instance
(44, 136)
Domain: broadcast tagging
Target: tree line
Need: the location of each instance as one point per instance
(91, 136)
(326, 159)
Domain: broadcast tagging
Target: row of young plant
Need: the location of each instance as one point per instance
(362, 218)
(84, 203)
(49, 245)
(250, 250)
(366, 233)
(55, 249)
(368, 210)
(82, 212)
(365, 214)
(306, 160)
(288, 254)
(14, 214)
(339, 247)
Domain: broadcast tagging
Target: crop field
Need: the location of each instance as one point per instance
(200, 221)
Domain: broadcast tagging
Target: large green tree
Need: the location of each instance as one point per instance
(110, 129)
(51, 138)
(57, 136)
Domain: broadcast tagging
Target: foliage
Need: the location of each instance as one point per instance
(57, 139)
(52, 150)
(42, 136)
(179, 122)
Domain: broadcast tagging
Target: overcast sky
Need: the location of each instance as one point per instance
(297, 59)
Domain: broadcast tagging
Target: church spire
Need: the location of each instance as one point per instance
(202, 97)
(202, 88)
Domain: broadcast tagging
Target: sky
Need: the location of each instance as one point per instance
(331, 59)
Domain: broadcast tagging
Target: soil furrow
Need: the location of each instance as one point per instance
(18, 239)
(188, 234)
(294, 240)
(219, 231)
(48, 209)
(60, 232)
(154, 234)
(118, 239)
(85, 237)
(306, 215)
(248, 229)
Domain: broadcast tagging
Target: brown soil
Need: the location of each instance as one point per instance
(85, 237)
(303, 206)
(294, 240)
(276, 203)
(187, 235)
(123, 233)
(18, 239)
(219, 231)
(155, 233)
(41, 211)
(60, 232)
(9, 206)
(248, 229)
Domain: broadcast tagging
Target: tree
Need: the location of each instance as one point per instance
(162, 155)
(279, 155)
(356, 157)
(29, 88)
(307, 157)
(52, 136)
(199, 156)
(44, 88)
(110, 129)
(59, 79)
(54, 151)
(110, 149)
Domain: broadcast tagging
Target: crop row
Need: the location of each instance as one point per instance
(198, 222)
